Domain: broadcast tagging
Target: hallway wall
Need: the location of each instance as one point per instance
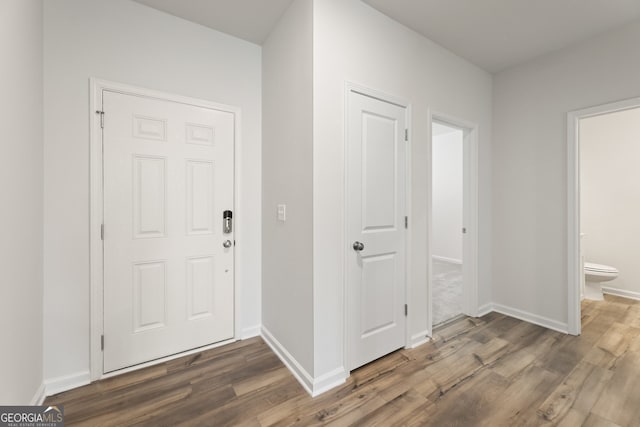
(355, 43)
(126, 42)
(531, 102)
(21, 186)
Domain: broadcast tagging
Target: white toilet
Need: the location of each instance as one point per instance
(595, 275)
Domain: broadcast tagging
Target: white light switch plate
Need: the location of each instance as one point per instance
(282, 213)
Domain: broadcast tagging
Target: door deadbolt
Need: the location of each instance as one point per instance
(227, 244)
(358, 246)
(227, 220)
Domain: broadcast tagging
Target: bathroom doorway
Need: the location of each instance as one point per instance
(453, 208)
(603, 194)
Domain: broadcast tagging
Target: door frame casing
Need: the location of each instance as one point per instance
(574, 268)
(350, 87)
(96, 215)
(469, 217)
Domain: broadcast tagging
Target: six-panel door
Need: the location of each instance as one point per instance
(168, 178)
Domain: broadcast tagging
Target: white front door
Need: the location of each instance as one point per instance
(168, 178)
(375, 228)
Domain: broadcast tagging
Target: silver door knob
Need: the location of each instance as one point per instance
(227, 244)
(358, 246)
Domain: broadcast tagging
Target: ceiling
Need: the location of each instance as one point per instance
(493, 34)
(251, 20)
(497, 34)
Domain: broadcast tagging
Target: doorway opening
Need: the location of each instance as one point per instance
(447, 208)
(601, 205)
(453, 220)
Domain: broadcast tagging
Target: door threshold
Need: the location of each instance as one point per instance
(165, 359)
(450, 321)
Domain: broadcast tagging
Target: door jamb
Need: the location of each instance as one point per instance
(96, 190)
(574, 269)
(373, 93)
(470, 214)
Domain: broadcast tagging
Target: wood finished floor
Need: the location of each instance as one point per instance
(492, 371)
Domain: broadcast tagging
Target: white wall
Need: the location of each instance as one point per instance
(531, 102)
(287, 272)
(610, 194)
(127, 42)
(21, 186)
(353, 42)
(447, 195)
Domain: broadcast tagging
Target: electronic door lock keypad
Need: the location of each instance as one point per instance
(227, 219)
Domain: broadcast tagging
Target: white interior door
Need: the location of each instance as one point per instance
(375, 228)
(168, 178)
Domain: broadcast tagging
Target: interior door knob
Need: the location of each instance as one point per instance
(227, 244)
(358, 246)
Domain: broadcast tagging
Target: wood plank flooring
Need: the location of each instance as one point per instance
(492, 371)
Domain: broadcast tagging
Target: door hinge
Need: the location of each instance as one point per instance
(101, 342)
(406, 134)
(101, 118)
(101, 231)
(406, 310)
(406, 222)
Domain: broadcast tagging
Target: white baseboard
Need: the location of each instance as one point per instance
(39, 397)
(289, 361)
(250, 332)
(446, 259)
(621, 293)
(328, 381)
(313, 386)
(419, 339)
(483, 310)
(531, 318)
(68, 382)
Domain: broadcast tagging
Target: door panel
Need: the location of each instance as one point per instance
(200, 197)
(149, 295)
(379, 177)
(378, 298)
(168, 177)
(376, 210)
(149, 196)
